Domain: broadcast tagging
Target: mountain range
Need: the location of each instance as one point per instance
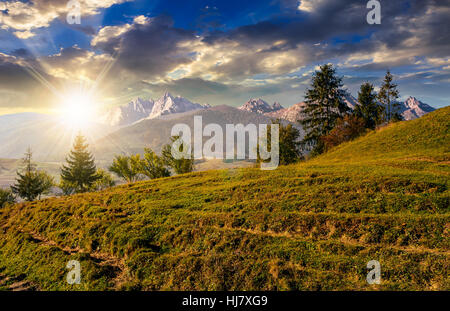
(260, 106)
(145, 123)
(410, 109)
(140, 109)
(155, 133)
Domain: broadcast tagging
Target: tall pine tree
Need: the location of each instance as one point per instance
(388, 97)
(324, 105)
(368, 108)
(80, 169)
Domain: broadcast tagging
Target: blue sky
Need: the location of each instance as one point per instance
(217, 52)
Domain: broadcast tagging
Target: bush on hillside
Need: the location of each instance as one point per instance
(347, 128)
(6, 196)
(104, 181)
(127, 167)
(182, 164)
(153, 166)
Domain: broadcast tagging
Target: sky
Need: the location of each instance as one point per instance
(216, 52)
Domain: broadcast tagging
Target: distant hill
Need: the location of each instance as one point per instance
(9, 168)
(308, 226)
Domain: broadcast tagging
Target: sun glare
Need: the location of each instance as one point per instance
(78, 110)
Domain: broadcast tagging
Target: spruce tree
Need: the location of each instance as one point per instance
(31, 183)
(324, 105)
(27, 182)
(387, 96)
(80, 169)
(368, 108)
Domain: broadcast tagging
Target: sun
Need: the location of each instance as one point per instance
(78, 110)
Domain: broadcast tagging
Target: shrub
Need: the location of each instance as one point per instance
(182, 164)
(6, 197)
(347, 128)
(104, 181)
(153, 166)
(127, 167)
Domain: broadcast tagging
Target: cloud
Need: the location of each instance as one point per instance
(272, 58)
(149, 48)
(310, 5)
(24, 17)
(153, 49)
(75, 64)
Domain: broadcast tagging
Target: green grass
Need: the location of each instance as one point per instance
(310, 226)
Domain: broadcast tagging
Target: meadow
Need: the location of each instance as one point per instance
(309, 226)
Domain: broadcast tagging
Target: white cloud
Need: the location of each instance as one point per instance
(310, 5)
(23, 17)
(23, 34)
(109, 32)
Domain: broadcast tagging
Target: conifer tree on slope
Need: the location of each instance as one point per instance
(324, 105)
(368, 108)
(31, 183)
(80, 169)
(388, 95)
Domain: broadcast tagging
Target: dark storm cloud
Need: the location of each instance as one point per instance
(332, 30)
(342, 24)
(151, 49)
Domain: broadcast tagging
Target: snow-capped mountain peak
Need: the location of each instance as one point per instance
(260, 106)
(410, 109)
(351, 101)
(139, 109)
(169, 104)
(127, 114)
(292, 114)
(413, 108)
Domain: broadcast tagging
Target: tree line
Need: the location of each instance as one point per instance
(80, 173)
(327, 119)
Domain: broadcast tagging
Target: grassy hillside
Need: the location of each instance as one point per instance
(427, 137)
(310, 226)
